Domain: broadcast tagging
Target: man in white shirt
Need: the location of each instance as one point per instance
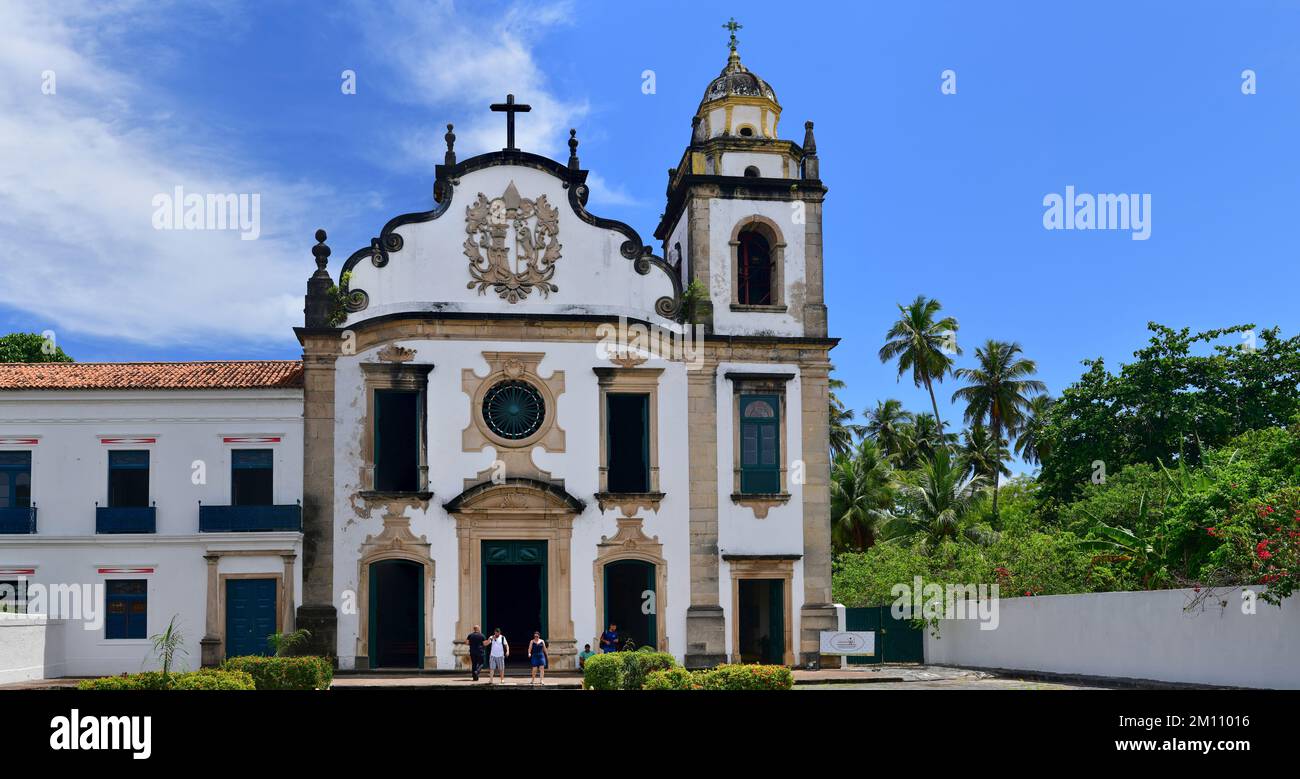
(497, 655)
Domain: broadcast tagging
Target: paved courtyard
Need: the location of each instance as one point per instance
(881, 677)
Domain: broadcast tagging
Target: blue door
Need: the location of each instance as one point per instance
(250, 616)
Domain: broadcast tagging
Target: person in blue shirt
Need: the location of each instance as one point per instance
(609, 639)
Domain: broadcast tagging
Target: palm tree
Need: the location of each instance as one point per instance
(997, 391)
(1031, 446)
(983, 455)
(862, 496)
(886, 425)
(921, 438)
(939, 503)
(843, 431)
(922, 345)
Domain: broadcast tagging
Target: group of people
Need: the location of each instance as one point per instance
(495, 649)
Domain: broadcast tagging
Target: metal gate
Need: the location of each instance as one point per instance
(897, 640)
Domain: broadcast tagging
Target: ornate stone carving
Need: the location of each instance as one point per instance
(395, 353)
(536, 226)
(514, 455)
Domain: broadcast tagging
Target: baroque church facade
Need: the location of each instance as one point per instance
(514, 414)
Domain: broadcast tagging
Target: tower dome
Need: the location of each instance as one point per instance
(738, 103)
(736, 80)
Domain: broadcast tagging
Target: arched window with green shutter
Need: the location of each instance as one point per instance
(760, 444)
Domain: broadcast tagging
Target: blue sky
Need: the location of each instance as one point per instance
(929, 193)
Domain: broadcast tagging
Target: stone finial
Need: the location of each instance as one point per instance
(321, 251)
(811, 165)
(317, 303)
(697, 130)
(449, 158)
(573, 148)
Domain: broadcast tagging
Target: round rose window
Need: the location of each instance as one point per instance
(514, 409)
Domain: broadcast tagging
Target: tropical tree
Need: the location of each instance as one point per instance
(1031, 444)
(887, 425)
(939, 505)
(168, 646)
(983, 455)
(922, 345)
(921, 438)
(863, 494)
(843, 431)
(997, 391)
(30, 347)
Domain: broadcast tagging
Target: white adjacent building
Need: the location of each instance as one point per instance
(510, 413)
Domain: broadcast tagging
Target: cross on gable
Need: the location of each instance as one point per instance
(510, 107)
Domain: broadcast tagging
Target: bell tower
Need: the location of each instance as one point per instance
(744, 214)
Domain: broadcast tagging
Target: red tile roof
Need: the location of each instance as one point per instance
(210, 374)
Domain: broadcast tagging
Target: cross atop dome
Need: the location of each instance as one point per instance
(732, 25)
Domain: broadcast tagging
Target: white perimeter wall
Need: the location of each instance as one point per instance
(22, 648)
(1133, 635)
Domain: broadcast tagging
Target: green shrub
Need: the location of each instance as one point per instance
(204, 679)
(671, 679)
(747, 677)
(284, 673)
(724, 677)
(603, 672)
(213, 679)
(637, 666)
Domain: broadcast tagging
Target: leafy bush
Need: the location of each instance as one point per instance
(603, 672)
(671, 679)
(724, 677)
(637, 666)
(747, 677)
(624, 670)
(205, 679)
(213, 679)
(285, 673)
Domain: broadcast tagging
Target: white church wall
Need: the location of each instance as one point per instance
(769, 164)
(577, 466)
(680, 236)
(428, 274)
(724, 215)
(740, 532)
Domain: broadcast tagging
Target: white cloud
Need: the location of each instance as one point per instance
(459, 60)
(78, 173)
(605, 194)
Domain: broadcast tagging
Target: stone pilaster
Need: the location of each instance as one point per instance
(210, 644)
(705, 626)
(697, 250)
(817, 613)
(814, 307)
(317, 612)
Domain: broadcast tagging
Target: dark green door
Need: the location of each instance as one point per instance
(631, 602)
(897, 640)
(514, 592)
(396, 614)
(761, 621)
(250, 616)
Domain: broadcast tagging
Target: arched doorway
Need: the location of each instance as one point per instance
(630, 601)
(396, 611)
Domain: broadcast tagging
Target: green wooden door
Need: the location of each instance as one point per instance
(861, 619)
(897, 640)
(527, 555)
